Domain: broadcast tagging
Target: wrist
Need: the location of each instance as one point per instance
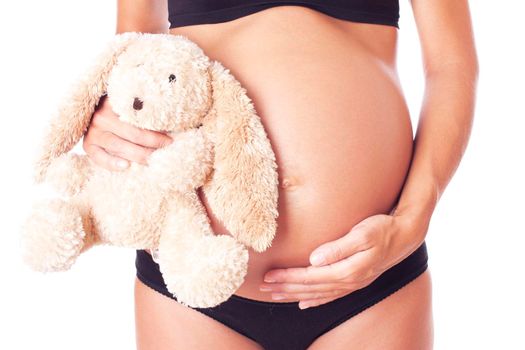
(416, 205)
(406, 235)
(411, 230)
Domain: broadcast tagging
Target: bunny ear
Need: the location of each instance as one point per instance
(74, 114)
(243, 187)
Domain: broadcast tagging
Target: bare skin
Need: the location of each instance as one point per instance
(328, 94)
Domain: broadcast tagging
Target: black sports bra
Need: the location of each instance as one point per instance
(188, 12)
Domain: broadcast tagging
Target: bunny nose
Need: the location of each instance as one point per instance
(137, 104)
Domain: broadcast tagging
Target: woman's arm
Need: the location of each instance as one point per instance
(148, 16)
(451, 72)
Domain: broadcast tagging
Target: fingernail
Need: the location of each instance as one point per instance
(265, 289)
(269, 279)
(317, 259)
(278, 296)
(122, 163)
(303, 306)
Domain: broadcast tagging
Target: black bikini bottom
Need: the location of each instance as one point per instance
(283, 325)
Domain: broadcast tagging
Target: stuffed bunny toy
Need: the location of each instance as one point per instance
(165, 83)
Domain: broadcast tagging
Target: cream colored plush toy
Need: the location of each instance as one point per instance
(165, 83)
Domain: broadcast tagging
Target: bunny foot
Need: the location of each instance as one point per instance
(52, 236)
(206, 272)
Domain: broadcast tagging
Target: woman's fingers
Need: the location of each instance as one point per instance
(352, 242)
(302, 288)
(147, 138)
(122, 148)
(352, 270)
(104, 159)
(110, 142)
(308, 296)
(304, 304)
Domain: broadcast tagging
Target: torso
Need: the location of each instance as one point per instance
(328, 95)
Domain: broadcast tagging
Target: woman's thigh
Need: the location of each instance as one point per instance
(162, 324)
(401, 321)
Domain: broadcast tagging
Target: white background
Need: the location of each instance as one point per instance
(476, 239)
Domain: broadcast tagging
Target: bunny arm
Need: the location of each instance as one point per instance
(185, 163)
(243, 188)
(68, 173)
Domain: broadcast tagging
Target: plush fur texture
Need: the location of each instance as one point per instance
(219, 144)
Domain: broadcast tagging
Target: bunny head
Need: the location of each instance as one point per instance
(162, 83)
(154, 81)
(165, 82)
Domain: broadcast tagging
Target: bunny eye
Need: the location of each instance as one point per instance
(172, 77)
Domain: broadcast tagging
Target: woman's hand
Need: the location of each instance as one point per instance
(112, 144)
(342, 266)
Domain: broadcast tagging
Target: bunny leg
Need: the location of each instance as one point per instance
(68, 173)
(201, 269)
(53, 235)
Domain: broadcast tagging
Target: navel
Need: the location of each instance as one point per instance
(289, 182)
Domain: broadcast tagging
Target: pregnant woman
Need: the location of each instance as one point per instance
(348, 267)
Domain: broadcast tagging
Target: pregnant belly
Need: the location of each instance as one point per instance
(338, 124)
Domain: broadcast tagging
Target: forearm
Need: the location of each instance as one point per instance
(441, 139)
(147, 16)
